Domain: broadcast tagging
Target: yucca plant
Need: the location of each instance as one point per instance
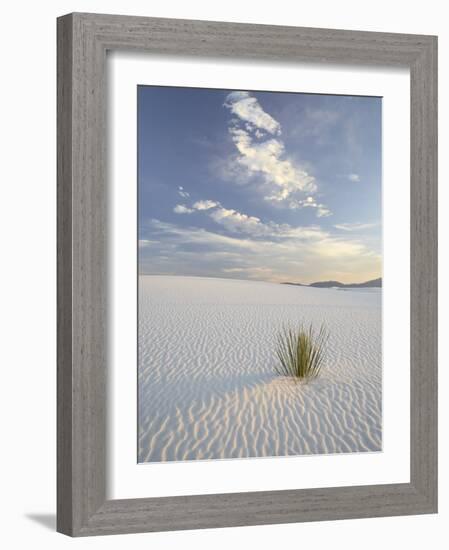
(301, 352)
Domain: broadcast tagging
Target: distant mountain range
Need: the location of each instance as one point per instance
(375, 283)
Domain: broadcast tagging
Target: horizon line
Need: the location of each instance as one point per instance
(287, 281)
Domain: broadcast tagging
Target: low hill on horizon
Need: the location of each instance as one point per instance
(374, 283)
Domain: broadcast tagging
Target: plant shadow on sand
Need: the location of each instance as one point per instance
(296, 371)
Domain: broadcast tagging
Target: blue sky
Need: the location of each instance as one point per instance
(259, 185)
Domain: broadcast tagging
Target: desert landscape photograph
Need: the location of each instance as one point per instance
(259, 274)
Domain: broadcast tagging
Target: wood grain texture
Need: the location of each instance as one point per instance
(83, 40)
(64, 277)
(424, 284)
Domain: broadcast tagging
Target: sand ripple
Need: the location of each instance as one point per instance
(207, 388)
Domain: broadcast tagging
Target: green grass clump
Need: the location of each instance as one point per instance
(301, 352)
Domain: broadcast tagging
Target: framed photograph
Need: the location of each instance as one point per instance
(247, 274)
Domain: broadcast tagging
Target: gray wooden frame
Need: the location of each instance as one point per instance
(83, 40)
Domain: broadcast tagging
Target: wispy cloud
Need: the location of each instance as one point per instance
(177, 234)
(316, 123)
(182, 209)
(205, 205)
(236, 222)
(248, 109)
(282, 179)
(352, 177)
(355, 226)
(321, 210)
(143, 243)
(182, 193)
(266, 251)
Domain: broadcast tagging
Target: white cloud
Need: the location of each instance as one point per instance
(238, 222)
(248, 109)
(322, 210)
(205, 205)
(282, 179)
(143, 243)
(266, 158)
(338, 248)
(181, 192)
(235, 221)
(196, 235)
(267, 251)
(354, 226)
(354, 178)
(182, 209)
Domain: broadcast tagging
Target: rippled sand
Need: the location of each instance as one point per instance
(207, 387)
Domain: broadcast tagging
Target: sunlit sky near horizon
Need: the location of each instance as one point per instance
(259, 185)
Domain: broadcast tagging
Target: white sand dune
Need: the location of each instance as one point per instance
(207, 386)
